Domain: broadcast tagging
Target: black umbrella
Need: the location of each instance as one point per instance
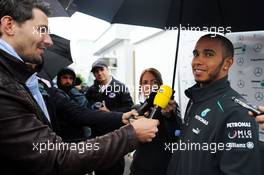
(241, 16)
(56, 57)
(57, 9)
(201, 14)
(61, 8)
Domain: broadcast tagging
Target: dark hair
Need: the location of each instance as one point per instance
(154, 72)
(78, 81)
(228, 48)
(65, 71)
(21, 10)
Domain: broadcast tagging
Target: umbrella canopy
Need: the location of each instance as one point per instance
(240, 16)
(56, 57)
(62, 8)
(197, 15)
(57, 9)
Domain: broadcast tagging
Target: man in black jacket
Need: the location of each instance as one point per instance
(218, 137)
(27, 143)
(70, 131)
(107, 93)
(66, 82)
(63, 110)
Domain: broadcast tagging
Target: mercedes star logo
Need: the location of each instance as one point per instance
(258, 71)
(257, 47)
(259, 96)
(240, 83)
(240, 61)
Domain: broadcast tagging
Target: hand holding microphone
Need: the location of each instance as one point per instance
(129, 117)
(171, 109)
(148, 103)
(253, 111)
(260, 118)
(161, 100)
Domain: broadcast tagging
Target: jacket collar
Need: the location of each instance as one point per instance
(16, 68)
(198, 94)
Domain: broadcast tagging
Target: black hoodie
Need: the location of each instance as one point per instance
(64, 71)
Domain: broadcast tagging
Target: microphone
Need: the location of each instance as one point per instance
(253, 109)
(147, 104)
(161, 100)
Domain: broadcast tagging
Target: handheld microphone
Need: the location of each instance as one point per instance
(161, 100)
(147, 104)
(252, 109)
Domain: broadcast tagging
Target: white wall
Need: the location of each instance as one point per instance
(157, 52)
(82, 54)
(123, 51)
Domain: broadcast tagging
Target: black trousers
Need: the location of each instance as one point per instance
(261, 145)
(116, 169)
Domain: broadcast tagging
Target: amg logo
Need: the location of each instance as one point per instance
(201, 119)
(238, 124)
(244, 134)
(240, 134)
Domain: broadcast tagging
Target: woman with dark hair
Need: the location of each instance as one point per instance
(152, 158)
(150, 80)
